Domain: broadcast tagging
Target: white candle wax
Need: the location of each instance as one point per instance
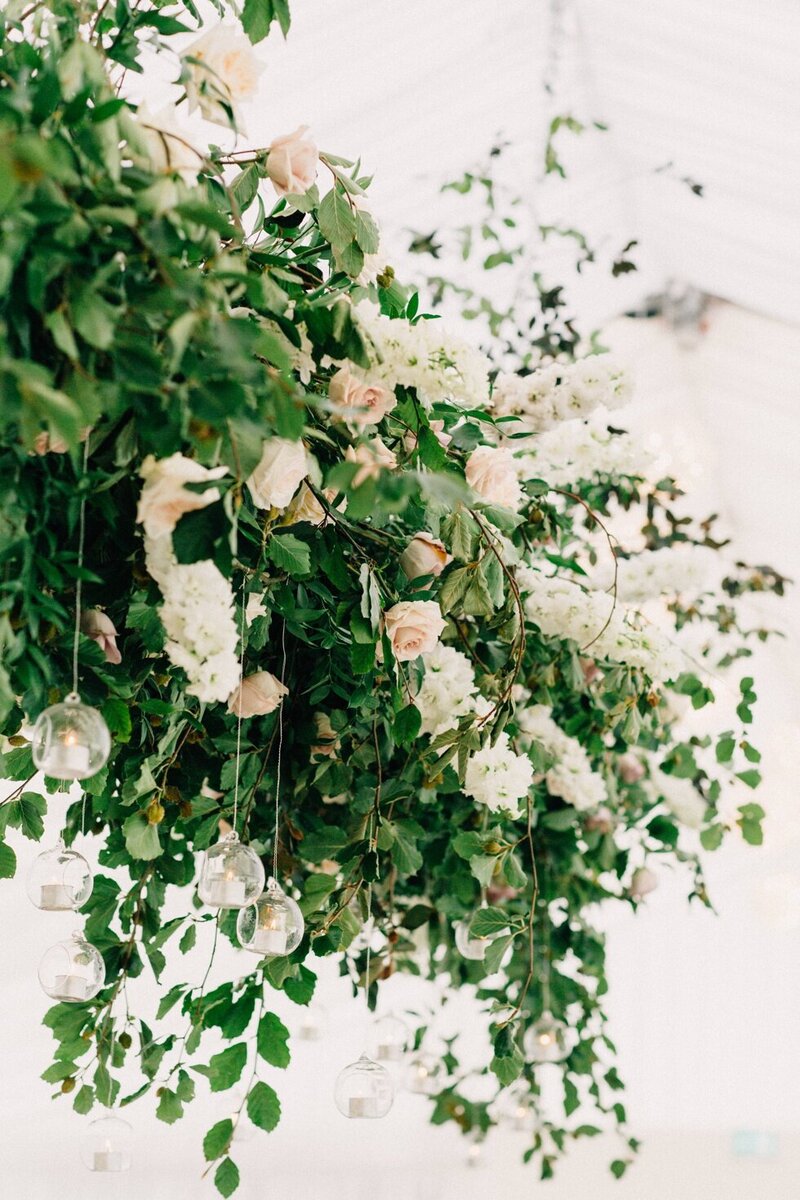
(70, 987)
(68, 760)
(363, 1106)
(388, 1052)
(270, 941)
(55, 897)
(228, 893)
(108, 1160)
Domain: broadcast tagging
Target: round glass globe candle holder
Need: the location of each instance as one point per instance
(60, 880)
(468, 946)
(107, 1145)
(364, 1090)
(70, 740)
(388, 1039)
(546, 1040)
(72, 971)
(273, 926)
(423, 1075)
(232, 874)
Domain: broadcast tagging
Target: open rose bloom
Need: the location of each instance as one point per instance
(358, 402)
(100, 628)
(292, 163)
(424, 555)
(257, 695)
(283, 467)
(165, 498)
(220, 71)
(413, 627)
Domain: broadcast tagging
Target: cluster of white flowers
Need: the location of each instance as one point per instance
(670, 571)
(680, 796)
(448, 690)
(427, 356)
(571, 776)
(499, 777)
(199, 617)
(576, 450)
(561, 392)
(563, 609)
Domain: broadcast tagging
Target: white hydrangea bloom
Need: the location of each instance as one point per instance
(448, 691)
(576, 450)
(669, 571)
(563, 609)
(499, 777)
(561, 391)
(427, 356)
(572, 776)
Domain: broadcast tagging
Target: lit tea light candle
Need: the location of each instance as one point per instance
(363, 1106)
(108, 1159)
(270, 941)
(70, 987)
(55, 897)
(69, 757)
(228, 893)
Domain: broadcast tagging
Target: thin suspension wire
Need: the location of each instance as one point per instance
(280, 753)
(79, 583)
(243, 610)
(369, 918)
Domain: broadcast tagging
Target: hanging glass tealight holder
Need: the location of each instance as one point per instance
(60, 880)
(423, 1076)
(72, 971)
(467, 944)
(546, 1040)
(232, 874)
(364, 1090)
(273, 926)
(313, 1023)
(107, 1145)
(388, 1039)
(70, 740)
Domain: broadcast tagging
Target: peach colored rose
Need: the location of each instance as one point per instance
(424, 555)
(100, 628)
(292, 162)
(643, 882)
(164, 497)
(374, 457)
(225, 72)
(257, 695)
(282, 468)
(359, 402)
(330, 742)
(490, 471)
(306, 507)
(631, 769)
(413, 627)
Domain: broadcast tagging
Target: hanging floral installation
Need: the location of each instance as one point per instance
(379, 652)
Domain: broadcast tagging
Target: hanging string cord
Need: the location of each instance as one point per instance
(242, 619)
(79, 582)
(280, 753)
(369, 919)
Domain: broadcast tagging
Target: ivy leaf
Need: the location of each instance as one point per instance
(225, 1069)
(226, 1177)
(272, 1039)
(141, 838)
(507, 1067)
(264, 1107)
(290, 554)
(218, 1139)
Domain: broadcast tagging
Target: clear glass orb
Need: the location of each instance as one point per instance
(468, 946)
(107, 1145)
(364, 1090)
(313, 1023)
(513, 1108)
(546, 1040)
(232, 875)
(388, 1039)
(424, 1074)
(60, 880)
(70, 740)
(72, 971)
(273, 926)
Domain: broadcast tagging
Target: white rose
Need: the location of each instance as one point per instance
(225, 72)
(282, 468)
(292, 163)
(167, 144)
(490, 471)
(257, 695)
(424, 555)
(374, 457)
(361, 403)
(164, 497)
(413, 627)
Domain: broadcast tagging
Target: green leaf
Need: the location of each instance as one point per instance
(188, 939)
(218, 1139)
(258, 15)
(272, 1040)
(507, 1067)
(337, 220)
(226, 1177)
(84, 1100)
(29, 809)
(141, 838)
(467, 844)
(618, 1168)
(489, 921)
(263, 1107)
(751, 778)
(8, 861)
(290, 554)
(225, 1069)
(170, 1108)
(300, 988)
(407, 725)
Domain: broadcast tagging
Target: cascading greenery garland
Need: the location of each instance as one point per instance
(266, 413)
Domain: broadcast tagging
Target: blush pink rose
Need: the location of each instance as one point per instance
(601, 821)
(257, 695)
(374, 457)
(643, 882)
(490, 471)
(292, 163)
(631, 769)
(282, 468)
(424, 555)
(413, 627)
(100, 628)
(359, 402)
(165, 498)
